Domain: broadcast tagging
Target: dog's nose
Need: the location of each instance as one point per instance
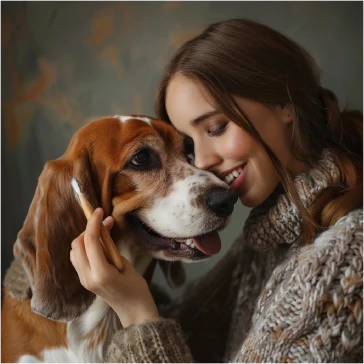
(221, 201)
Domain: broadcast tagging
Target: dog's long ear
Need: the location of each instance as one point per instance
(173, 272)
(54, 219)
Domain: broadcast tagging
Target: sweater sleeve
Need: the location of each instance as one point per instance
(311, 309)
(156, 341)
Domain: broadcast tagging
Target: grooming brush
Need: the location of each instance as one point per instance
(111, 252)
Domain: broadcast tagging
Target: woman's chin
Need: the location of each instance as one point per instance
(254, 197)
(251, 200)
(247, 202)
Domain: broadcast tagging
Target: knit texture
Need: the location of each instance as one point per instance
(156, 341)
(268, 226)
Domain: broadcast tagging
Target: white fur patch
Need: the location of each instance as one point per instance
(185, 218)
(56, 355)
(123, 119)
(98, 319)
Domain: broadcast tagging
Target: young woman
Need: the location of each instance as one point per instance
(290, 289)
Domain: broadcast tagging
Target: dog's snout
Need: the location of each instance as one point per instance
(221, 201)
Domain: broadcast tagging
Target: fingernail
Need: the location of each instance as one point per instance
(108, 219)
(98, 209)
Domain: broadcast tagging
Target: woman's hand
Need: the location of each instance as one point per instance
(126, 292)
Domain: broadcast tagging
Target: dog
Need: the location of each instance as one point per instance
(165, 209)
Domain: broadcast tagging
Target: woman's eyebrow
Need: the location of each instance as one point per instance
(204, 116)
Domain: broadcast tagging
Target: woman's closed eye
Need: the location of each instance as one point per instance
(217, 129)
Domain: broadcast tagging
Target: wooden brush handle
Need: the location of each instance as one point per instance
(111, 251)
(110, 248)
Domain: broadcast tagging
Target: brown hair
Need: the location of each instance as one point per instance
(239, 57)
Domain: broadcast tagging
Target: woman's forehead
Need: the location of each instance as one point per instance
(186, 102)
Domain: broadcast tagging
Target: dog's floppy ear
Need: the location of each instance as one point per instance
(54, 219)
(173, 272)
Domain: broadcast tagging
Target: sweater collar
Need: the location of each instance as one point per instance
(277, 220)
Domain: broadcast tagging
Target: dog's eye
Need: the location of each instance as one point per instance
(144, 159)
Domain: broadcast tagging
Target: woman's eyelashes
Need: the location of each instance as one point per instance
(217, 129)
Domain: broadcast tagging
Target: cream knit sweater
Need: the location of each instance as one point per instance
(268, 299)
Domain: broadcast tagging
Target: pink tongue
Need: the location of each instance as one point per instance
(209, 244)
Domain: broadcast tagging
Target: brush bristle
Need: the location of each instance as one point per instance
(75, 185)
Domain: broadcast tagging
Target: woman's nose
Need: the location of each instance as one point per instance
(206, 157)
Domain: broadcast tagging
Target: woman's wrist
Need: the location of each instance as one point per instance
(137, 316)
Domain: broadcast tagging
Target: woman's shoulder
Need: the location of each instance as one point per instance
(348, 228)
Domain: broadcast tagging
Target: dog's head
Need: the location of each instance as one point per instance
(135, 168)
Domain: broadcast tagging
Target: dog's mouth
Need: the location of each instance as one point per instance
(197, 247)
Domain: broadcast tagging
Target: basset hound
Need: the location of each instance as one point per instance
(135, 168)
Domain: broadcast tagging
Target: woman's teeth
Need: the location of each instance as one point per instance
(231, 177)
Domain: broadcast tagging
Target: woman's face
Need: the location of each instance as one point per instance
(227, 150)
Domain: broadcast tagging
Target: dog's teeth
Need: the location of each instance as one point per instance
(192, 245)
(188, 242)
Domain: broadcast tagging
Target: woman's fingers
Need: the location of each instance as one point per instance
(78, 255)
(93, 244)
(86, 248)
(109, 223)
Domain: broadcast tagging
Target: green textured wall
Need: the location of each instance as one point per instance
(64, 63)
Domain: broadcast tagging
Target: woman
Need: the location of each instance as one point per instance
(290, 288)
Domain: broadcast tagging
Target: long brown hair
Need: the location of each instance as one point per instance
(240, 57)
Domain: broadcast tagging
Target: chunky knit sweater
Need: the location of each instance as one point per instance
(271, 298)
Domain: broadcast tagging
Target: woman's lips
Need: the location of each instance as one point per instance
(239, 180)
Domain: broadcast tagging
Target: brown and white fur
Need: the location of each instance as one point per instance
(135, 168)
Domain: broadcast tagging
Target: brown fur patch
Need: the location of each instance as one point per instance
(18, 321)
